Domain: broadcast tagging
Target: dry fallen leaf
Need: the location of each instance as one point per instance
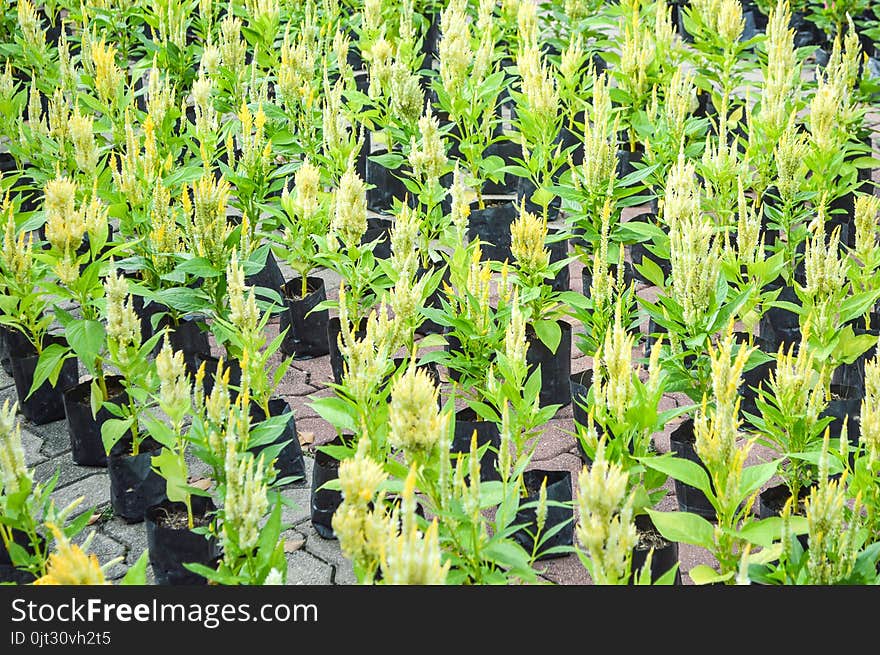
(306, 438)
(202, 483)
(94, 518)
(294, 544)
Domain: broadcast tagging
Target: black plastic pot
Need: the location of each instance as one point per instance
(771, 502)
(525, 188)
(134, 485)
(5, 359)
(387, 187)
(853, 375)
(8, 572)
(757, 377)
(188, 337)
(665, 554)
(290, 461)
(84, 429)
(171, 545)
(323, 502)
(466, 423)
(379, 234)
(629, 277)
(780, 326)
(627, 158)
(559, 489)
(336, 359)
(491, 226)
(555, 367)
(268, 277)
(211, 363)
(690, 499)
(580, 384)
(845, 407)
(306, 335)
(47, 402)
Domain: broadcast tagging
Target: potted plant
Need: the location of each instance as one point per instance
(178, 528)
(303, 215)
(134, 485)
(28, 508)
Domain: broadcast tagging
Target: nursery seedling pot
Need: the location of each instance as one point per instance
(134, 485)
(211, 362)
(665, 554)
(690, 499)
(47, 402)
(525, 188)
(336, 360)
(387, 187)
(580, 384)
(379, 234)
(171, 543)
(8, 572)
(5, 358)
(466, 423)
(555, 366)
(268, 277)
(757, 377)
(559, 489)
(558, 252)
(189, 338)
(306, 335)
(778, 326)
(290, 461)
(87, 447)
(491, 226)
(771, 502)
(323, 502)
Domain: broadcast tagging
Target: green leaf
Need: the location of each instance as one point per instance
(49, 366)
(170, 467)
(336, 412)
(390, 160)
(137, 574)
(87, 339)
(703, 574)
(754, 477)
(684, 527)
(112, 431)
(198, 266)
(549, 333)
(681, 469)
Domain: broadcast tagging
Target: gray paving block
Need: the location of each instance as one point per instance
(132, 535)
(325, 549)
(95, 490)
(305, 569)
(343, 574)
(56, 439)
(32, 445)
(68, 471)
(300, 496)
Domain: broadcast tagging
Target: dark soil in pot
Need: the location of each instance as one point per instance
(290, 461)
(559, 489)
(555, 366)
(323, 502)
(84, 429)
(171, 543)
(690, 499)
(46, 404)
(306, 335)
(665, 554)
(134, 485)
(491, 226)
(466, 423)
